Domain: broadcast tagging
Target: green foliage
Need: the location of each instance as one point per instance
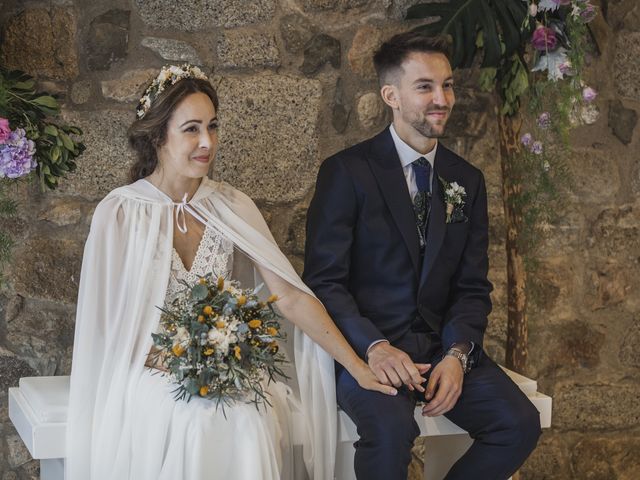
(7, 211)
(495, 29)
(56, 145)
(24, 107)
(497, 22)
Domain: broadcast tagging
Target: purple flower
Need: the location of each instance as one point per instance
(566, 68)
(5, 131)
(17, 155)
(536, 147)
(544, 120)
(526, 139)
(589, 94)
(543, 39)
(588, 13)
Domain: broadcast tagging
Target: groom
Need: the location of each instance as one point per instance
(397, 236)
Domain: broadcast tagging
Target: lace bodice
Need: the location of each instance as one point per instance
(214, 254)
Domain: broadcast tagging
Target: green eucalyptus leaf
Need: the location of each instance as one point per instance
(46, 101)
(487, 78)
(55, 170)
(199, 292)
(55, 153)
(26, 85)
(67, 142)
(50, 112)
(51, 130)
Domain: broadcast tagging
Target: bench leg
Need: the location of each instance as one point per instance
(441, 452)
(52, 469)
(344, 461)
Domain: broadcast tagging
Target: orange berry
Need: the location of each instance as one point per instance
(204, 390)
(236, 352)
(178, 350)
(207, 310)
(272, 298)
(242, 300)
(220, 324)
(202, 281)
(201, 318)
(208, 351)
(255, 323)
(220, 284)
(272, 331)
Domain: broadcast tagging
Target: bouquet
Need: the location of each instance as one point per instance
(219, 341)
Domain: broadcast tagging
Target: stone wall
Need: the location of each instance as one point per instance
(296, 84)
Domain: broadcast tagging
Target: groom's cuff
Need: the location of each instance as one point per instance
(366, 355)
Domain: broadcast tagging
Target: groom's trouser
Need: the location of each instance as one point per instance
(502, 421)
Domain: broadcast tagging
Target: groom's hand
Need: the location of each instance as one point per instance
(446, 383)
(394, 367)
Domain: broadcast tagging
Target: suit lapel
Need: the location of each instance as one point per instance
(389, 175)
(437, 227)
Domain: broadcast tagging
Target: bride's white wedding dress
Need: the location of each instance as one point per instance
(123, 422)
(174, 440)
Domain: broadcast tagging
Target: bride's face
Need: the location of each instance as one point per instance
(192, 138)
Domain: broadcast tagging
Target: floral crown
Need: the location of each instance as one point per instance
(169, 75)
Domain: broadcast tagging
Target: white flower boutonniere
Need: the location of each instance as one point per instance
(454, 199)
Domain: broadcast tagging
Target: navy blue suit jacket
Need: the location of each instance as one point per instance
(362, 255)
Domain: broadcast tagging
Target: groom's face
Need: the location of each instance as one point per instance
(425, 95)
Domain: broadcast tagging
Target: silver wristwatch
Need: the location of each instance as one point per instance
(460, 355)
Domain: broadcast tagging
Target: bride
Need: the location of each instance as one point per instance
(173, 224)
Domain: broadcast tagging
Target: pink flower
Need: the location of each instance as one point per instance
(566, 68)
(543, 39)
(588, 14)
(589, 94)
(5, 131)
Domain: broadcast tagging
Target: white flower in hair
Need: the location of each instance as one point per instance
(169, 75)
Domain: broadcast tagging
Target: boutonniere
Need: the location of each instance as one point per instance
(454, 197)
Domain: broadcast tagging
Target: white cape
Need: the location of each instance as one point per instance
(124, 278)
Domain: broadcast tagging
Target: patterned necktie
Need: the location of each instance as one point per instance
(422, 199)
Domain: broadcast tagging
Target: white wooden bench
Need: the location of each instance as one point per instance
(38, 410)
(445, 442)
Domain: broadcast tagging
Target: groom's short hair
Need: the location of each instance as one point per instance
(389, 57)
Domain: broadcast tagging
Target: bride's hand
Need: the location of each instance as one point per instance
(367, 380)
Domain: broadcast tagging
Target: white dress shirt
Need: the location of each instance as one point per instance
(407, 156)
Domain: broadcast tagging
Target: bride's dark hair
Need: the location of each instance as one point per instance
(148, 133)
